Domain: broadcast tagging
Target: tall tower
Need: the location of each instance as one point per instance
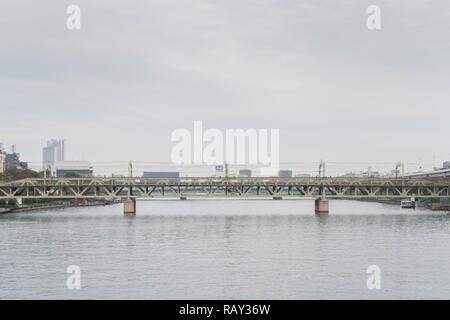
(60, 150)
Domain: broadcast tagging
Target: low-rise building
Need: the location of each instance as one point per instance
(350, 174)
(285, 174)
(61, 168)
(303, 175)
(247, 173)
(160, 174)
(430, 174)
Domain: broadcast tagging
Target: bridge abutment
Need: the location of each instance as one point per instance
(321, 206)
(129, 207)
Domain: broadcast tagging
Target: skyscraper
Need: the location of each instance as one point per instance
(54, 151)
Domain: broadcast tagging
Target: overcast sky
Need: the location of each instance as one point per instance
(137, 70)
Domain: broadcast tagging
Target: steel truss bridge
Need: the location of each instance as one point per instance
(133, 188)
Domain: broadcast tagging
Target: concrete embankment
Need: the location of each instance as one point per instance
(428, 205)
(55, 206)
(438, 206)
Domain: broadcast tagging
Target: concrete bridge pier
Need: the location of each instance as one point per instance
(321, 206)
(129, 207)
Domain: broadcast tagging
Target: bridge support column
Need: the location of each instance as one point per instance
(129, 207)
(321, 206)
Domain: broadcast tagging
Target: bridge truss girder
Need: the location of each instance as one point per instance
(122, 188)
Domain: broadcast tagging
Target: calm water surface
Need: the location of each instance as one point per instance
(226, 249)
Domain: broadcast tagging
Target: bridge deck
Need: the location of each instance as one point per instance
(189, 187)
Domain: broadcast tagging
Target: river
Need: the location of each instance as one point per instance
(226, 249)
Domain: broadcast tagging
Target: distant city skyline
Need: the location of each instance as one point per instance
(300, 168)
(119, 86)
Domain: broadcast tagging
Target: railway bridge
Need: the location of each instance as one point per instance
(130, 189)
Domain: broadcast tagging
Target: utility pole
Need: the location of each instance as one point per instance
(130, 169)
(46, 167)
(403, 170)
(321, 169)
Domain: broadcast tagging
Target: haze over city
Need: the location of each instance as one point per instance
(119, 86)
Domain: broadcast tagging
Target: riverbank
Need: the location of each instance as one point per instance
(67, 204)
(434, 206)
(438, 206)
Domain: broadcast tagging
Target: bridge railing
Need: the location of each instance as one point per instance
(221, 181)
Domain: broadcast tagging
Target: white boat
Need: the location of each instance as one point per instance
(408, 204)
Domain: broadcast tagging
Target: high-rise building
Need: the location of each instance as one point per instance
(2, 158)
(12, 160)
(2, 162)
(54, 151)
